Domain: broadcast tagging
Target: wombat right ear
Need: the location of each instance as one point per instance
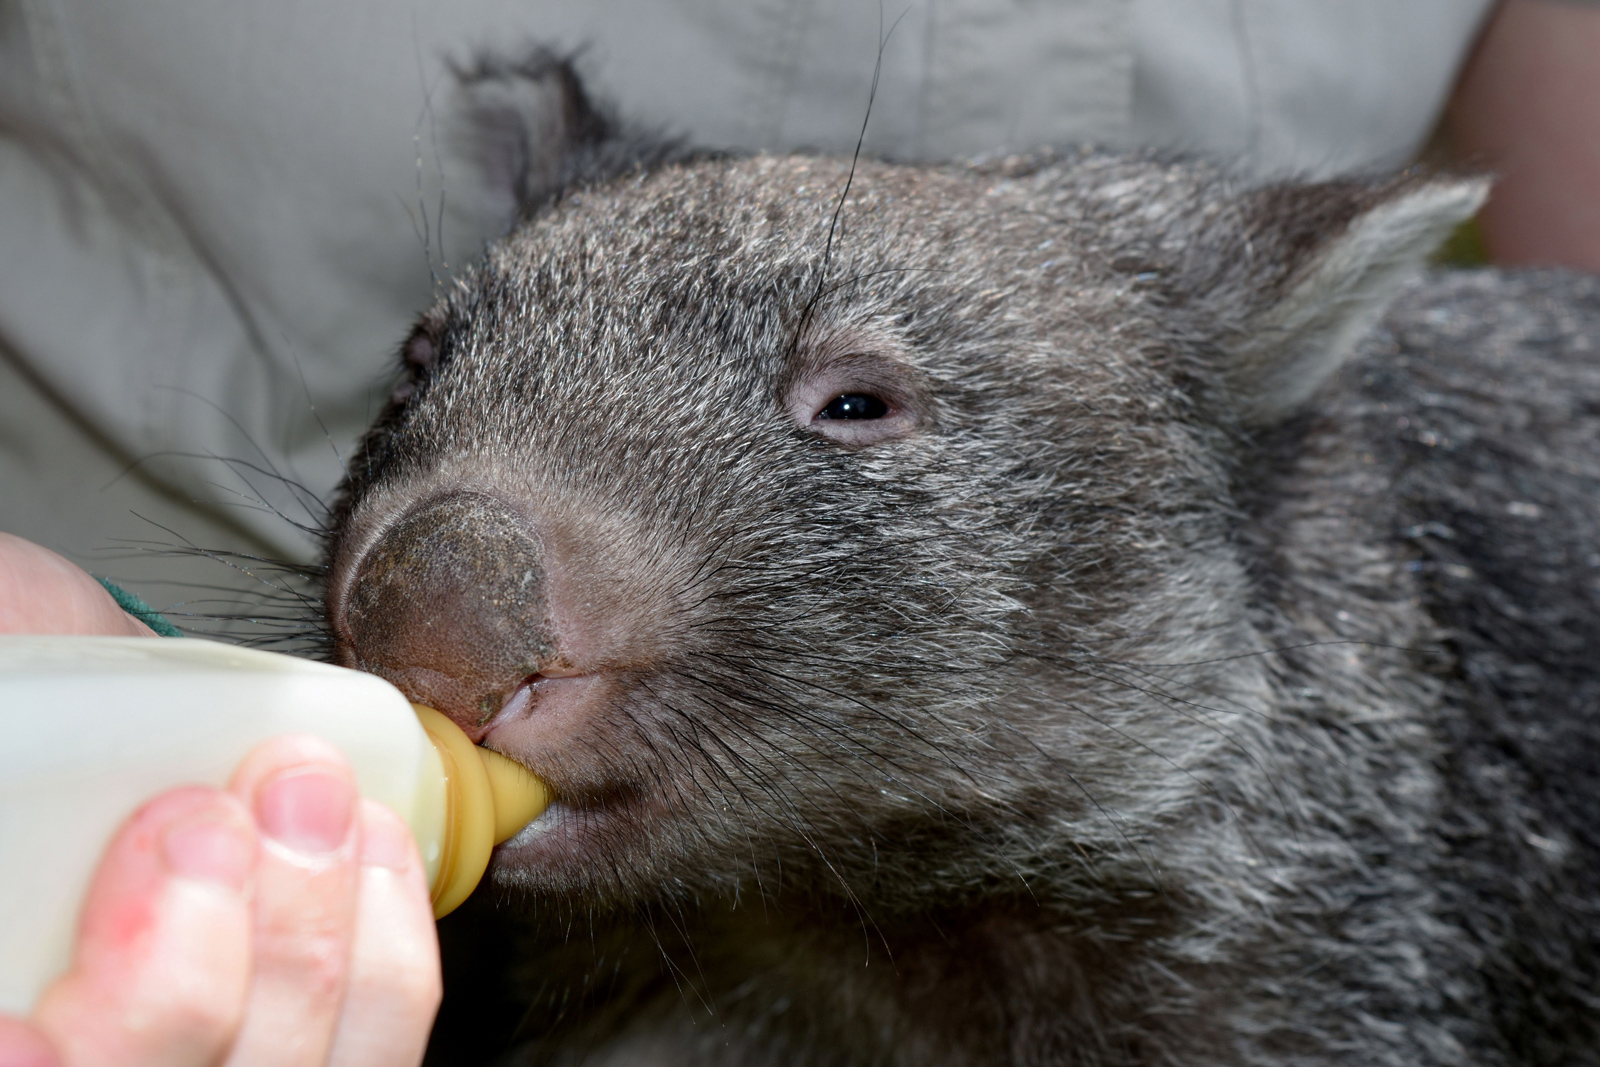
(533, 130)
(1309, 272)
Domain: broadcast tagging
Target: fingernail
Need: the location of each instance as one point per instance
(385, 843)
(209, 849)
(306, 810)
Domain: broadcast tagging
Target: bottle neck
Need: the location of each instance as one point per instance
(487, 799)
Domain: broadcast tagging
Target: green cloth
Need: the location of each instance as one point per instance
(1465, 248)
(140, 610)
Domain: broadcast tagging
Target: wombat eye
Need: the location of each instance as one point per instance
(855, 399)
(854, 406)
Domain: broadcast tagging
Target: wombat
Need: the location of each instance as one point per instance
(1023, 612)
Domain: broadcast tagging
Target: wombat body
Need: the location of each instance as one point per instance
(1015, 619)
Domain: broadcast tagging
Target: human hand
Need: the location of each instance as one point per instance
(283, 921)
(42, 593)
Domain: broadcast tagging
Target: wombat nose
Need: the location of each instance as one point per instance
(450, 605)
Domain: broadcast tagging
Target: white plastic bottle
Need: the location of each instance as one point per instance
(94, 726)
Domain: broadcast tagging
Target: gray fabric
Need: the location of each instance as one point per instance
(214, 213)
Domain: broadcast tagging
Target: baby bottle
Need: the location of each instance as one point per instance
(95, 726)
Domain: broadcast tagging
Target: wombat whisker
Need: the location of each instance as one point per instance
(311, 404)
(1113, 818)
(782, 801)
(846, 750)
(259, 566)
(674, 969)
(844, 194)
(1138, 670)
(311, 572)
(850, 761)
(258, 502)
(751, 653)
(797, 820)
(1274, 650)
(271, 606)
(310, 502)
(264, 509)
(680, 925)
(196, 609)
(301, 627)
(271, 593)
(225, 558)
(726, 810)
(315, 527)
(231, 462)
(1205, 786)
(795, 707)
(267, 603)
(283, 593)
(317, 524)
(696, 745)
(271, 468)
(750, 649)
(262, 641)
(700, 576)
(1197, 713)
(281, 610)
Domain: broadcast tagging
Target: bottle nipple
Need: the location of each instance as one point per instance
(488, 799)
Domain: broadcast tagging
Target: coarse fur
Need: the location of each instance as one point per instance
(1143, 688)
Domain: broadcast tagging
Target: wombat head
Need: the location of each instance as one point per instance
(808, 537)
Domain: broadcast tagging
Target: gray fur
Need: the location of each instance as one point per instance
(1126, 711)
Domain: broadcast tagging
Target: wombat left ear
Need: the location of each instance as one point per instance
(1323, 262)
(533, 131)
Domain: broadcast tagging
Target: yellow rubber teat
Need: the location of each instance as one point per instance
(489, 798)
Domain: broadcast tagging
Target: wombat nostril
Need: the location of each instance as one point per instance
(450, 605)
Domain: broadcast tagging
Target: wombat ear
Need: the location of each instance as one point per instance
(533, 131)
(1323, 261)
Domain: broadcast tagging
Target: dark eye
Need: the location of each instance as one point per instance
(854, 406)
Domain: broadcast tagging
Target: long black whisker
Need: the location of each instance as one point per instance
(844, 194)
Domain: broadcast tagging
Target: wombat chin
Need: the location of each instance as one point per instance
(997, 616)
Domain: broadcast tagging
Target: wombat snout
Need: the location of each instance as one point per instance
(451, 604)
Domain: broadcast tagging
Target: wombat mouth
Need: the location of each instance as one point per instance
(575, 833)
(554, 681)
(595, 812)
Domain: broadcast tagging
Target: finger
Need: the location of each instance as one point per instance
(22, 1045)
(42, 593)
(394, 981)
(303, 795)
(162, 965)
